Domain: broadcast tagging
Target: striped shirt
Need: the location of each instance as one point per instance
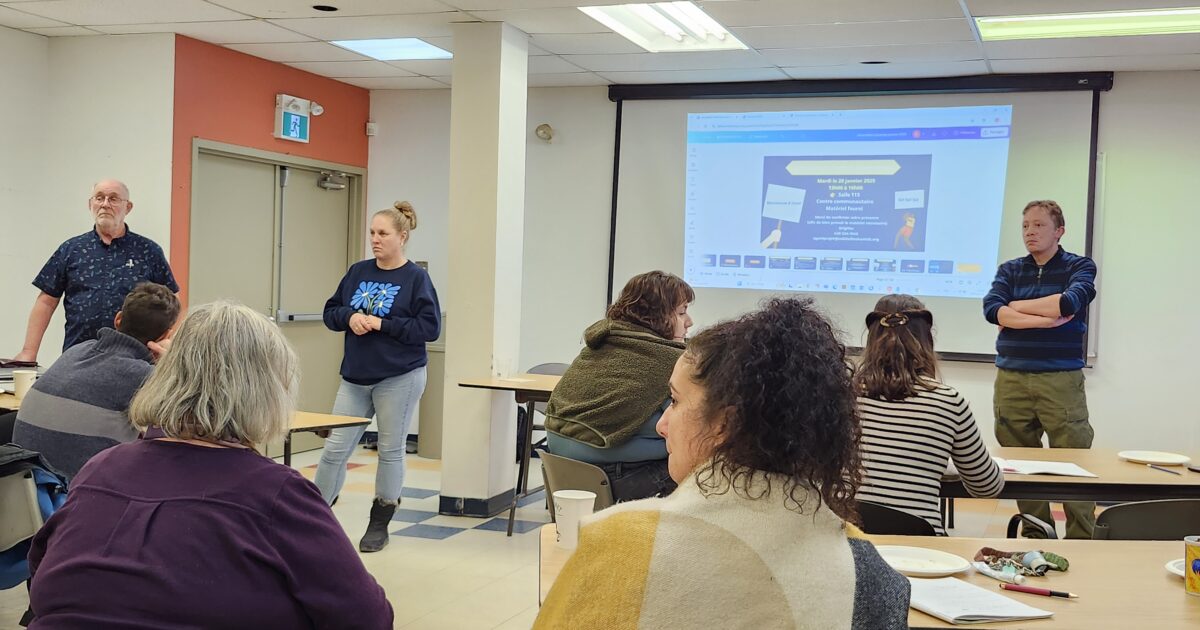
(907, 445)
(1056, 349)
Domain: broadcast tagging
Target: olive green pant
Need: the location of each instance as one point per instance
(1028, 404)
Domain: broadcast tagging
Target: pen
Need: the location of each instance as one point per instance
(1166, 470)
(1037, 591)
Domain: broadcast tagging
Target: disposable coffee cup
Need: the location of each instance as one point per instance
(570, 506)
(1191, 564)
(22, 381)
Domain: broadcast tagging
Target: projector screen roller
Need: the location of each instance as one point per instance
(847, 199)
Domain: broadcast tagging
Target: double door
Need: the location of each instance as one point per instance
(277, 237)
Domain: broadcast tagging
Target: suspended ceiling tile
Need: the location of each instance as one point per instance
(696, 76)
(379, 26)
(671, 61)
(791, 12)
(1099, 64)
(91, 12)
(14, 18)
(919, 53)
(63, 31)
(301, 51)
(534, 21)
(585, 44)
(351, 69)
(862, 33)
(427, 67)
(566, 79)
(396, 83)
(239, 32)
(890, 71)
(551, 64)
(346, 8)
(1094, 46)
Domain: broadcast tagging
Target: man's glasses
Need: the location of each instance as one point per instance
(112, 199)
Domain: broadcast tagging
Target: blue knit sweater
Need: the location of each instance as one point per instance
(1043, 349)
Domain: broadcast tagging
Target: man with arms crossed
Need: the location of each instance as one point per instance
(94, 272)
(1040, 302)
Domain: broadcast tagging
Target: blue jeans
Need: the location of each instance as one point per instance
(392, 402)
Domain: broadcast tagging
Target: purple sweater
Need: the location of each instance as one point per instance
(159, 534)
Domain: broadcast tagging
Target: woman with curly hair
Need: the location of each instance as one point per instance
(763, 441)
(388, 309)
(609, 400)
(913, 424)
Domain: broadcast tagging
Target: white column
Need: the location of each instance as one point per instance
(483, 300)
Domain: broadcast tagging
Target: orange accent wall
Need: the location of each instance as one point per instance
(228, 96)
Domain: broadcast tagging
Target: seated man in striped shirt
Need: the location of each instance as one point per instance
(1040, 302)
(913, 424)
(77, 408)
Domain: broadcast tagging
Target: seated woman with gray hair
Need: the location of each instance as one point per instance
(197, 529)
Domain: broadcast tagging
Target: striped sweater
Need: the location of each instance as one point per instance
(1043, 349)
(907, 444)
(77, 408)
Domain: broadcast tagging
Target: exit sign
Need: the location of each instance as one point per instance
(291, 118)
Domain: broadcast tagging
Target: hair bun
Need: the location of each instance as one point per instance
(406, 208)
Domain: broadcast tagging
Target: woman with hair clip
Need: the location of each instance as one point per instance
(605, 408)
(912, 423)
(388, 308)
(763, 441)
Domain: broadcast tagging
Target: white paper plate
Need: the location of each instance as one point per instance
(1155, 457)
(1175, 567)
(919, 562)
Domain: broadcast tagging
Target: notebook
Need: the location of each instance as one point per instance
(955, 601)
(1034, 467)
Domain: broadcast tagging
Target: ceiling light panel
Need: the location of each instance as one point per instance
(1099, 24)
(665, 26)
(394, 49)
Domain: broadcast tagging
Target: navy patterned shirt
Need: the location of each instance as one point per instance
(95, 278)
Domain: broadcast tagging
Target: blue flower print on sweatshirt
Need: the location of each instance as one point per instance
(374, 298)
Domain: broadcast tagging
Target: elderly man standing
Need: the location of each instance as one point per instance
(95, 271)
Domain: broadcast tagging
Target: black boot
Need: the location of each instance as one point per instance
(376, 537)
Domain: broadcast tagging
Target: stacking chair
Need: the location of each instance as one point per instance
(1030, 522)
(1168, 519)
(561, 473)
(556, 369)
(883, 520)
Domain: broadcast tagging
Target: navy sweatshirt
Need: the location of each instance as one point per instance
(1043, 349)
(404, 298)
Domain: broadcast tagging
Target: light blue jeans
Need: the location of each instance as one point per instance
(392, 402)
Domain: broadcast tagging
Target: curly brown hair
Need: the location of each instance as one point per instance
(779, 378)
(898, 359)
(650, 299)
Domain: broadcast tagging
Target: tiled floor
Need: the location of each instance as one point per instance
(446, 572)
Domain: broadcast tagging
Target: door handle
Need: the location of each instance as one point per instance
(285, 316)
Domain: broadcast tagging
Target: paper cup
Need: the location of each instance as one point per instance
(1191, 565)
(22, 381)
(570, 506)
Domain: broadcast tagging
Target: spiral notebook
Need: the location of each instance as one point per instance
(955, 601)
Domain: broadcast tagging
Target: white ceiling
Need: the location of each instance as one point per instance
(798, 39)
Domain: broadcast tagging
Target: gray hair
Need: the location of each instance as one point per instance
(229, 375)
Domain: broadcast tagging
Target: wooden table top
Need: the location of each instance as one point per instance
(9, 402)
(309, 421)
(538, 383)
(1121, 584)
(1101, 462)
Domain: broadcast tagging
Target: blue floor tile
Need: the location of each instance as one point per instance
(434, 532)
(501, 525)
(412, 516)
(417, 493)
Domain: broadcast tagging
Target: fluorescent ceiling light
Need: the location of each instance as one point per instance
(394, 49)
(1099, 24)
(665, 26)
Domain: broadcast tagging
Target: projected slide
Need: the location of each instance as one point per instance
(873, 201)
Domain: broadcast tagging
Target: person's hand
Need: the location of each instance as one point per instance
(360, 324)
(1059, 321)
(773, 238)
(374, 323)
(159, 348)
(25, 355)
